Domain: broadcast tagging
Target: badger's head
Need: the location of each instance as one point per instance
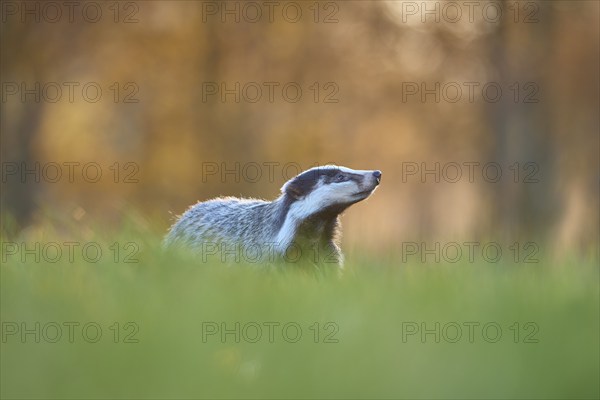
(330, 188)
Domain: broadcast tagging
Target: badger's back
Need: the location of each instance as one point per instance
(225, 220)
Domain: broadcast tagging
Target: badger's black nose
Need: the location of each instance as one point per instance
(377, 175)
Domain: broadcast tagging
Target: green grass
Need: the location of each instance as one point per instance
(169, 297)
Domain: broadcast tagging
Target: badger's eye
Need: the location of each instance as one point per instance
(340, 178)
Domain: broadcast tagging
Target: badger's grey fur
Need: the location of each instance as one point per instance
(301, 225)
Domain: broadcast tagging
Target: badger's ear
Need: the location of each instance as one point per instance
(294, 189)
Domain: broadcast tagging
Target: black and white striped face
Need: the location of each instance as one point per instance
(322, 187)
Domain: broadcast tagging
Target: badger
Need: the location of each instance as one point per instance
(301, 225)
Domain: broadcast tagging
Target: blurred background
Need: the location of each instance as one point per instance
(176, 102)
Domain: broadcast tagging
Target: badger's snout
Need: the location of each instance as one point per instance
(372, 178)
(377, 175)
(370, 181)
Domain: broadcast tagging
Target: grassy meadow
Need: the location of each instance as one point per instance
(170, 326)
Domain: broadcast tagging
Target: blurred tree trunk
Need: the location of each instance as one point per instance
(20, 122)
(522, 129)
